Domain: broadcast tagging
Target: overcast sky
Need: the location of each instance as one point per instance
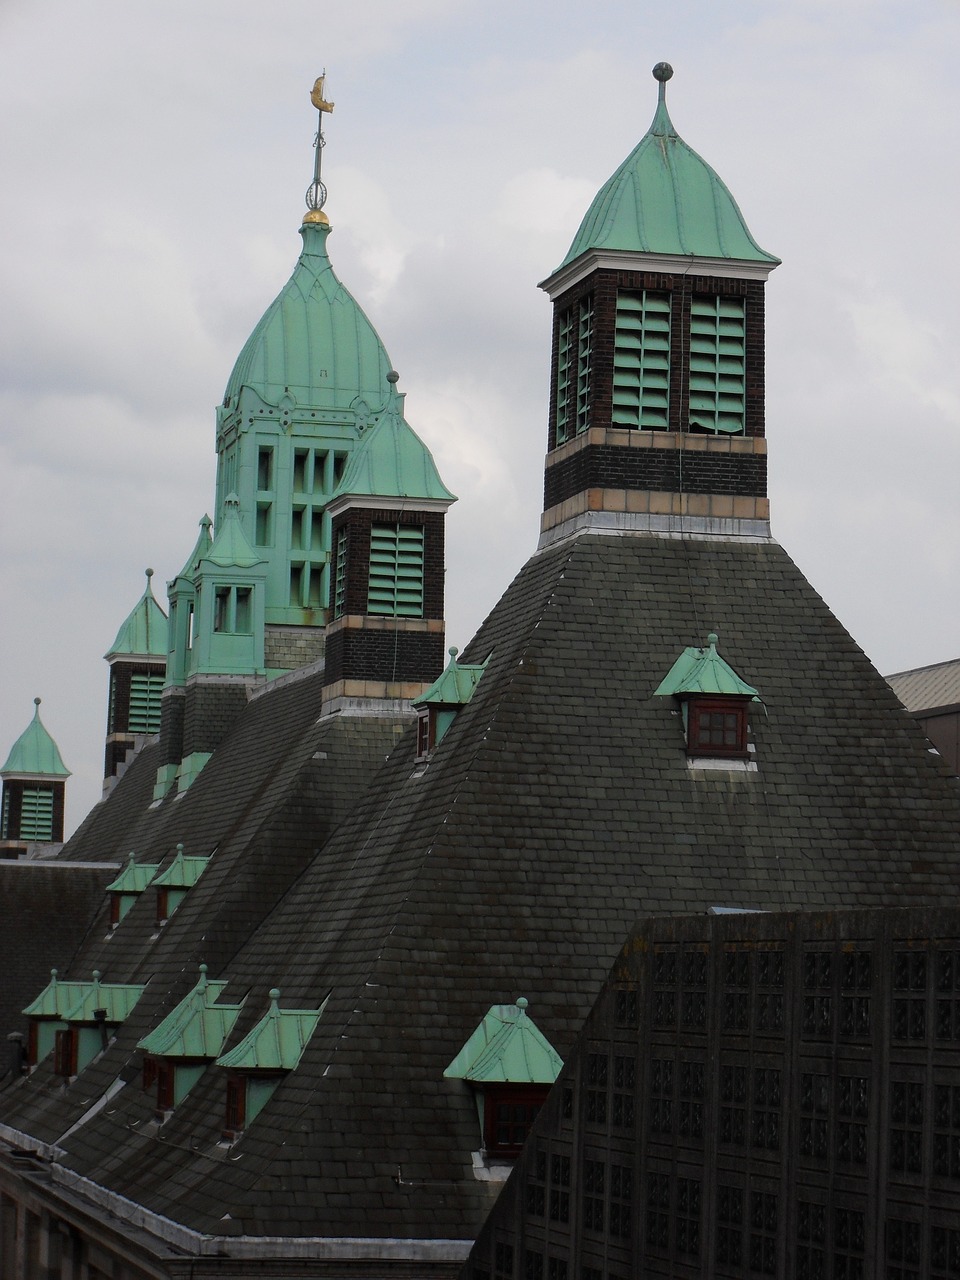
(154, 157)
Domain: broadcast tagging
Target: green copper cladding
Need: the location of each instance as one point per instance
(182, 873)
(703, 671)
(197, 1027)
(666, 199)
(278, 1040)
(507, 1046)
(144, 633)
(135, 877)
(35, 754)
(392, 461)
(77, 1001)
(455, 685)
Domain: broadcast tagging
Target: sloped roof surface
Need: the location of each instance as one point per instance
(925, 688)
(557, 809)
(35, 752)
(145, 630)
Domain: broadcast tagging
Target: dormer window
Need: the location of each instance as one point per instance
(714, 702)
(437, 707)
(717, 726)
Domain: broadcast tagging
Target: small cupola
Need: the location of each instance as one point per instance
(265, 1055)
(437, 707)
(511, 1065)
(714, 702)
(173, 884)
(128, 886)
(138, 659)
(190, 1037)
(34, 790)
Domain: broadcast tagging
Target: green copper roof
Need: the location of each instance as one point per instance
(35, 752)
(200, 549)
(145, 630)
(455, 685)
(506, 1046)
(392, 461)
(231, 546)
(135, 877)
(197, 1027)
(665, 199)
(703, 671)
(76, 1001)
(314, 346)
(276, 1042)
(182, 873)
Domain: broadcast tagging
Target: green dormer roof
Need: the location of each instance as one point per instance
(135, 877)
(314, 346)
(231, 547)
(182, 873)
(276, 1042)
(200, 549)
(35, 753)
(392, 461)
(455, 685)
(665, 199)
(703, 671)
(77, 1001)
(145, 631)
(197, 1027)
(507, 1046)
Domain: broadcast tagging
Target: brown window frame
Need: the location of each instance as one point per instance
(235, 1106)
(530, 1096)
(166, 1078)
(65, 1048)
(711, 704)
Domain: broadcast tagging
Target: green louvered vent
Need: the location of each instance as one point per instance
(145, 690)
(396, 571)
(5, 818)
(574, 368)
(340, 584)
(36, 814)
(641, 361)
(717, 389)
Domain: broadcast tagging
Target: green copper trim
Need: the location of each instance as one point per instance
(190, 768)
(392, 461)
(35, 753)
(145, 631)
(231, 547)
(278, 1040)
(135, 877)
(77, 1001)
(666, 199)
(182, 873)
(704, 671)
(197, 1027)
(455, 685)
(507, 1046)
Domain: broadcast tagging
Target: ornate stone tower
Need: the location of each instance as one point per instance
(656, 399)
(34, 788)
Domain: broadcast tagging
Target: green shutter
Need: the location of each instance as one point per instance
(641, 361)
(145, 691)
(396, 571)
(36, 814)
(340, 583)
(574, 370)
(717, 378)
(563, 375)
(584, 362)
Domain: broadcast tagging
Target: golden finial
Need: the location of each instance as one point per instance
(316, 95)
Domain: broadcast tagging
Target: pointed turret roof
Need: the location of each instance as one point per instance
(392, 461)
(144, 633)
(666, 199)
(314, 345)
(200, 549)
(231, 547)
(35, 752)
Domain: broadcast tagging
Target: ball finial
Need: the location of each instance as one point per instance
(36, 702)
(149, 573)
(393, 377)
(662, 72)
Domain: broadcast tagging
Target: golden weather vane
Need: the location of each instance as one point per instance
(317, 192)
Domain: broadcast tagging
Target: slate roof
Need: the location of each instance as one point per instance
(559, 807)
(928, 688)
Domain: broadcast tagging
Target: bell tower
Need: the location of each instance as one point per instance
(656, 397)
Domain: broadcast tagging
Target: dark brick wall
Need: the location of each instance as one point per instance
(211, 710)
(604, 286)
(358, 521)
(115, 754)
(384, 655)
(662, 470)
(172, 713)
